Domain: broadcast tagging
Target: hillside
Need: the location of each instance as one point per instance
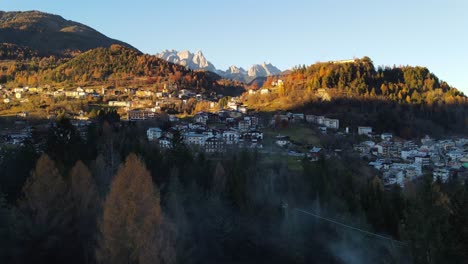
(50, 34)
(395, 98)
(359, 78)
(10, 51)
(116, 65)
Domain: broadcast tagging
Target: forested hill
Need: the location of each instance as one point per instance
(360, 77)
(122, 64)
(50, 34)
(393, 98)
(116, 65)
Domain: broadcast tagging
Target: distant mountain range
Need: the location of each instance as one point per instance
(46, 34)
(197, 61)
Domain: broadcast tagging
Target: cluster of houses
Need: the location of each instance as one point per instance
(401, 161)
(135, 98)
(21, 94)
(212, 132)
(323, 122)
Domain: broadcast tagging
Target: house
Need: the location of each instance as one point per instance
(193, 138)
(394, 176)
(423, 160)
(186, 93)
(386, 136)
(140, 114)
(265, 91)
(297, 117)
(19, 90)
(311, 119)
(441, 173)
(33, 90)
(243, 109)
(143, 93)
(119, 104)
(233, 105)
(252, 92)
(215, 145)
(244, 125)
(71, 93)
(320, 120)
(173, 118)
(331, 123)
(231, 137)
(315, 153)
(22, 114)
(201, 118)
(164, 142)
(253, 134)
(367, 131)
(154, 133)
(282, 141)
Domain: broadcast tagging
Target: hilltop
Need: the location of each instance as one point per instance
(49, 34)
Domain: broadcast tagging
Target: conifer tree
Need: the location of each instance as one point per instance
(46, 212)
(85, 205)
(131, 227)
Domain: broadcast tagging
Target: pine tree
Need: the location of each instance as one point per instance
(131, 227)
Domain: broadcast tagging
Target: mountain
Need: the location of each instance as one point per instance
(49, 34)
(263, 70)
(197, 61)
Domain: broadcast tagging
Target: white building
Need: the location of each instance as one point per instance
(119, 104)
(282, 141)
(231, 137)
(331, 123)
(442, 174)
(367, 131)
(154, 133)
(165, 142)
(196, 139)
(244, 125)
(265, 91)
(386, 136)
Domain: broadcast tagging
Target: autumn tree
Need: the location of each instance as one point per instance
(85, 205)
(132, 222)
(46, 212)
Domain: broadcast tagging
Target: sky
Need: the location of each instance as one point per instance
(286, 33)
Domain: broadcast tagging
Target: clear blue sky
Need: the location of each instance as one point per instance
(286, 33)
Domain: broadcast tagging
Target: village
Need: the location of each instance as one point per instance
(233, 126)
